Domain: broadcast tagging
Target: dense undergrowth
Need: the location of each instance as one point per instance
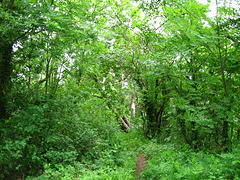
(181, 162)
(62, 139)
(165, 161)
(81, 154)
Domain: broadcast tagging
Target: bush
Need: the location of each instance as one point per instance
(169, 162)
(50, 132)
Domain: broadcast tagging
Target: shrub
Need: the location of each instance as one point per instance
(50, 132)
(173, 163)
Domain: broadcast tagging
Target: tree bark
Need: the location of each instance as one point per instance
(5, 76)
(133, 106)
(47, 75)
(5, 81)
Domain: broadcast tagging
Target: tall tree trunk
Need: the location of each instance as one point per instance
(5, 79)
(225, 122)
(133, 106)
(47, 76)
(222, 61)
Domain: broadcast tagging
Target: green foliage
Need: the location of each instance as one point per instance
(171, 162)
(69, 71)
(51, 132)
(114, 162)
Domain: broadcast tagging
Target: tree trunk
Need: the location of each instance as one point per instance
(47, 75)
(5, 81)
(133, 106)
(222, 61)
(5, 77)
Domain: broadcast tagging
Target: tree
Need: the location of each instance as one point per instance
(196, 49)
(27, 22)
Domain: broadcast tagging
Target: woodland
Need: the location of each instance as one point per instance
(86, 86)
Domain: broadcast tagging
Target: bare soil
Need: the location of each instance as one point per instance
(141, 163)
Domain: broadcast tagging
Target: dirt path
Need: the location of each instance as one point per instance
(141, 163)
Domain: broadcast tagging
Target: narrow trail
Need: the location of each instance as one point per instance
(141, 163)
